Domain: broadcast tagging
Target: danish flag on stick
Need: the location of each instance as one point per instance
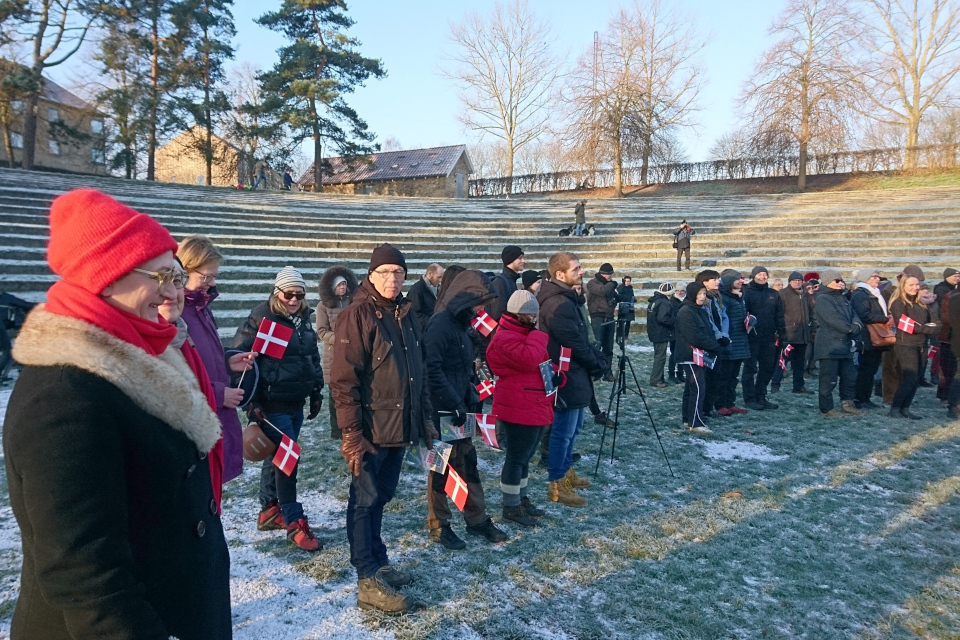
(932, 351)
(487, 424)
(906, 324)
(456, 488)
(486, 389)
(783, 357)
(565, 353)
(484, 324)
(288, 453)
(272, 339)
(698, 357)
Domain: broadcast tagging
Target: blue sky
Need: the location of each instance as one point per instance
(416, 105)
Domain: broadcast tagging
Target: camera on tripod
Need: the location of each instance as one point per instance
(624, 309)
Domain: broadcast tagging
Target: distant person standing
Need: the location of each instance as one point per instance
(580, 215)
(423, 294)
(681, 242)
(626, 294)
(661, 317)
(506, 282)
(260, 175)
(601, 303)
(287, 180)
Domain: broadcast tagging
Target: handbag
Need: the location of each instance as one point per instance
(881, 335)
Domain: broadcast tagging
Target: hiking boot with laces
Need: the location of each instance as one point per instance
(561, 491)
(394, 577)
(444, 535)
(374, 593)
(847, 407)
(602, 420)
(518, 515)
(575, 481)
(271, 518)
(299, 533)
(531, 509)
(488, 530)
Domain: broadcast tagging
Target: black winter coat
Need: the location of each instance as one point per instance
(921, 315)
(868, 311)
(378, 380)
(837, 325)
(504, 285)
(694, 329)
(661, 318)
(560, 319)
(298, 374)
(765, 303)
(422, 301)
(106, 449)
(797, 315)
(625, 293)
(739, 347)
(601, 297)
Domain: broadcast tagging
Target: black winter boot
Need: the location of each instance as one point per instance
(518, 515)
(444, 535)
(488, 530)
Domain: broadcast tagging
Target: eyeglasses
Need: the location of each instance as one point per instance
(838, 280)
(398, 274)
(204, 278)
(290, 295)
(163, 278)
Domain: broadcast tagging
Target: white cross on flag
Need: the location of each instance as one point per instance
(565, 353)
(783, 358)
(484, 324)
(906, 324)
(698, 357)
(486, 389)
(932, 351)
(456, 488)
(272, 339)
(487, 424)
(288, 453)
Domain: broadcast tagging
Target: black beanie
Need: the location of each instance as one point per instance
(510, 253)
(606, 268)
(758, 269)
(949, 272)
(386, 254)
(529, 277)
(693, 289)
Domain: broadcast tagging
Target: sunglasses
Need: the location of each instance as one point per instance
(838, 280)
(290, 295)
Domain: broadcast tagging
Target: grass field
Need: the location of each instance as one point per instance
(780, 525)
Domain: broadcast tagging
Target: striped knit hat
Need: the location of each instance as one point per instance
(289, 277)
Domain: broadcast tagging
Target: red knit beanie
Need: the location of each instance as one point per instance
(95, 240)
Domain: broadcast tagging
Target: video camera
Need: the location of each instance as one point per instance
(625, 308)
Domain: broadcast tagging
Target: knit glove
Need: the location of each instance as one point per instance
(353, 446)
(316, 401)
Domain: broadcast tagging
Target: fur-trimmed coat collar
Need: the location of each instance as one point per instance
(327, 297)
(164, 386)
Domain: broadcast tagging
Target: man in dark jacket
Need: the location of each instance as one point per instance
(452, 376)
(625, 293)
(423, 294)
(506, 283)
(563, 324)
(378, 382)
(798, 318)
(682, 242)
(580, 217)
(838, 327)
(601, 303)
(951, 280)
(660, 320)
(765, 305)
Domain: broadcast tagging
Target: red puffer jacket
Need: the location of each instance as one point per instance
(514, 356)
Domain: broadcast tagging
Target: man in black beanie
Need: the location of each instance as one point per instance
(601, 303)
(765, 305)
(506, 283)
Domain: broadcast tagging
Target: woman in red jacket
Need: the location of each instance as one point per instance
(520, 403)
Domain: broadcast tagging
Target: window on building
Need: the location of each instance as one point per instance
(52, 114)
(54, 147)
(16, 139)
(98, 156)
(96, 127)
(18, 106)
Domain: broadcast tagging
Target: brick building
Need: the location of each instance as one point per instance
(181, 160)
(437, 172)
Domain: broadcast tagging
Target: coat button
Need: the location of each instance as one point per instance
(200, 529)
(202, 455)
(213, 507)
(189, 472)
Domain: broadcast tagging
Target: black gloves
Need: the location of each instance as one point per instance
(316, 401)
(723, 341)
(458, 417)
(556, 380)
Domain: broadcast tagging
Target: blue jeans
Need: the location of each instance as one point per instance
(369, 492)
(275, 485)
(260, 180)
(566, 427)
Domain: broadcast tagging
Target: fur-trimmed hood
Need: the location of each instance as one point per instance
(164, 386)
(327, 298)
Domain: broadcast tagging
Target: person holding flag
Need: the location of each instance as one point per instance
(914, 324)
(452, 377)
(279, 330)
(520, 404)
(694, 332)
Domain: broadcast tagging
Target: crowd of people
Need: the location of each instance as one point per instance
(116, 486)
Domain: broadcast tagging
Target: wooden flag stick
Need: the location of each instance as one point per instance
(243, 373)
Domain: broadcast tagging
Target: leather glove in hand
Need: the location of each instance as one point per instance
(556, 380)
(353, 447)
(430, 433)
(723, 341)
(316, 401)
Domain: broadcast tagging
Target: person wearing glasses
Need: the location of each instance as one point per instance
(106, 442)
(282, 389)
(838, 329)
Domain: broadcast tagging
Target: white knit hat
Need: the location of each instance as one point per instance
(289, 277)
(522, 301)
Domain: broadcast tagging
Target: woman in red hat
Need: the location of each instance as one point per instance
(106, 444)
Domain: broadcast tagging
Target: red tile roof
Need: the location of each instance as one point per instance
(393, 165)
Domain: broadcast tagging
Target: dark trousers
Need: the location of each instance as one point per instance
(910, 366)
(758, 370)
(659, 360)
(948, 370)
(866, 372)
(521, 444)
(798, 362)
(729, 376)
(275, 485)
(680, 252)
(369, 492)
(463, 459)
(830, 370)
(693, 394)
(714, 381)
(889, 375)
(604, 336)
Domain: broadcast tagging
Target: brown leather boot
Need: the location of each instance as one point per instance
(561, 491)
(575, 481)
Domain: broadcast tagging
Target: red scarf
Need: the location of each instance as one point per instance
(67, 299)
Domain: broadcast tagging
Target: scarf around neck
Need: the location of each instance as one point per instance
(876, 294)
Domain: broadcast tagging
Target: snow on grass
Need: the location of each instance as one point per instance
(734, 450)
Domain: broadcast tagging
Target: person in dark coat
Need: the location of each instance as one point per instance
(950, 283)
(661, 317)
(766, 306)
(560, 319)
(694, 330)
(506, 283)
(423, 293)
(908, 351)
(106, 443)
(452, 378)
(625, 294)
(531, 281)
(798, 318)
(336, 288)
(379, 386)
(838, 328)
(676, 371)
(951, 339)
(721, 331)
(580, 217)
(601, 304)
(733, 355)
(282, 389)
(871, 308)
(681, 242)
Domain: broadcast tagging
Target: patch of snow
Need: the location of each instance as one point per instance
(735, 449)
(636, 348)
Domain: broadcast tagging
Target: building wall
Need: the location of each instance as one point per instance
(75, 156)
(178, 161)
(435, 187)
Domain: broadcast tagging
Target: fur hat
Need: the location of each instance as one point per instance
(96, 240)
(606, 268)
(510, 253)
(523, 302)
(386, 254)
(289, 277)
(758, 269)
(665, 288)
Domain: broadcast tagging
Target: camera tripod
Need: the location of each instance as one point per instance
(620, 388)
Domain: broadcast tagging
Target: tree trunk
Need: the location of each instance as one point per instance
(154, 95)
(802, 178)
(208, 142)
(913, 138)
(617, 169)
(6, 114)
(29, 129)
(317, 151)
(645, 165)
(508, 185)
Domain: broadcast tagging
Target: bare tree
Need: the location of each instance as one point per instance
(505, 67)
(911, 63)
(391, 144)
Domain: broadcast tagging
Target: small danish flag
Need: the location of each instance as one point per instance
(565, 353)
(288, 453)
(272, 339)
(783, 358)
(907, 324)
(932, 351)
(484, 324)
(487, 423)
(456, 488)
(698, 357)
(486, 389)
(746, 322)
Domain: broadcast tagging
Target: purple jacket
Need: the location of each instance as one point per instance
(203, 332)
